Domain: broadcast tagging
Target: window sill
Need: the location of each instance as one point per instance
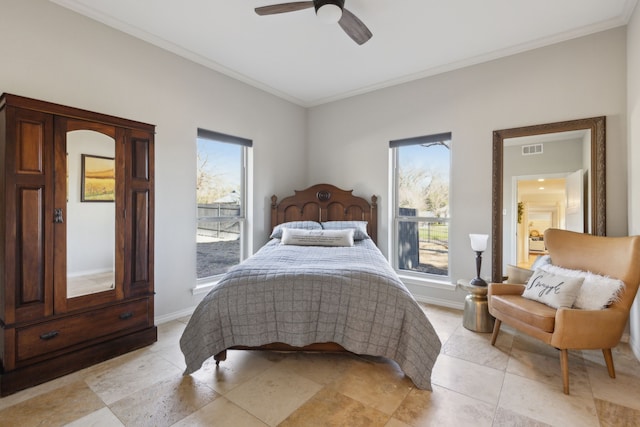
(204, 287)
(427, 282)
(433, 290)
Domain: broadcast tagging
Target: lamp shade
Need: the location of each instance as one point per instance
(479, 242)
(329, 13)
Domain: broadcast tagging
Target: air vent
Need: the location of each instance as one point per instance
(528, 150)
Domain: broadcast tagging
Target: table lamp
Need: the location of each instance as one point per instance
(479, 245)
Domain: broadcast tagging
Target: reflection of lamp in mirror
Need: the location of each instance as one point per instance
(479, 245)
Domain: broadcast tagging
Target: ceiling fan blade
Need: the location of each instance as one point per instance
(284, 7)
(354, 27)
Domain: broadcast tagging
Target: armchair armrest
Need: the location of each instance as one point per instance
(595, 329)
(505, 289)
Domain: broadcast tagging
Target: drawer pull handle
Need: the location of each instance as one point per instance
(127, 315)
(49, 335)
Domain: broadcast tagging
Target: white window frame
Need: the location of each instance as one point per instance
(397, 218)
(205, 283)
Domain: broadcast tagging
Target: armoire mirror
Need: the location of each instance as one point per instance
(90, 213)
(90, 224)
(587, 139)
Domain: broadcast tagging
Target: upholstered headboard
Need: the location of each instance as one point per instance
(326, 202)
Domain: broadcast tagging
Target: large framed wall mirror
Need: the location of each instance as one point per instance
(549, 175)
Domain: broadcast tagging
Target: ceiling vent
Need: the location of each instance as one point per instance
(528, 150)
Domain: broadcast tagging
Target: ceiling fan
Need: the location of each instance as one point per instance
(330, 11)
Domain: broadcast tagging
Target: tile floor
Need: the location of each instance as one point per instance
(516, 383)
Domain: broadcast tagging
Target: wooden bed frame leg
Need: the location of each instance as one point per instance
(220, 357)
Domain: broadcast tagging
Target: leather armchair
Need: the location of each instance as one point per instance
(568, 328)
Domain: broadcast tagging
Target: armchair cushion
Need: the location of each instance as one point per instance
(551, 289)
(538, 315)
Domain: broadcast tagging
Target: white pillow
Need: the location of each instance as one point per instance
(359, 228)
(304, 225)
(291, 236)
(596, 293)
(551, 289)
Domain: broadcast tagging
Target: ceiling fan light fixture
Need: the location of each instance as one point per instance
(329, 12)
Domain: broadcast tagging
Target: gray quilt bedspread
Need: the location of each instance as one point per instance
(302, 295)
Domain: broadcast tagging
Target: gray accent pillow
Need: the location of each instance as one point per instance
(300, 225)
(359, 228)
(540, 261)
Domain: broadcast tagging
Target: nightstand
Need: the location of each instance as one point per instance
(476, 315)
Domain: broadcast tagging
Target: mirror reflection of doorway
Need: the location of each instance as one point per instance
(546, 201)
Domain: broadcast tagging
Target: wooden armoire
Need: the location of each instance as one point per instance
(76, 239)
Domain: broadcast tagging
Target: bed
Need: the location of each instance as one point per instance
(315, 297)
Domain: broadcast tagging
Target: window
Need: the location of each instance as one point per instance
(421, 168)
(221, 197)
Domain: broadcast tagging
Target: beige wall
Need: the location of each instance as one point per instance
(50, 53)
(633, 103)
(585, 77)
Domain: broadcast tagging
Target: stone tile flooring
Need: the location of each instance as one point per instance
(517, 382)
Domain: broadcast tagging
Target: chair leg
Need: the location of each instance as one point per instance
(564, 366)
(608, 358)
(220, 357)
(496, 329)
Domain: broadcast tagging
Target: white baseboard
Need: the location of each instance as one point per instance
(173, 316)
(440, 302)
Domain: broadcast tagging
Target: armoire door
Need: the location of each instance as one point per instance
(138, 253)
(89, 194)
(29, 215)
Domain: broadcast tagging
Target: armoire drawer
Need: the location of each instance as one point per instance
(64, 332)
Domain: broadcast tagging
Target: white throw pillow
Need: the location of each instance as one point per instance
(551, 289)
(298, 237)
(597, 291)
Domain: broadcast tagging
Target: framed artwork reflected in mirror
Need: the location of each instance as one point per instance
(98, 179)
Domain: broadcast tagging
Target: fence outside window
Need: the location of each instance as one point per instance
(218, 238)
(423, 243)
